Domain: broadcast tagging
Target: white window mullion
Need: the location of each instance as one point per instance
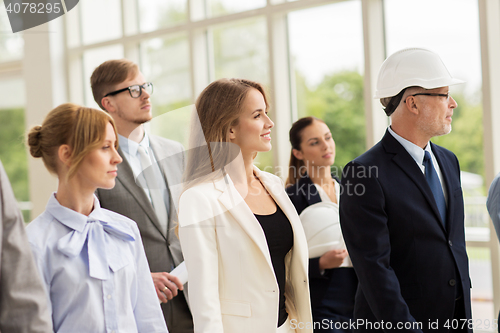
(374, 51)
(279, 89)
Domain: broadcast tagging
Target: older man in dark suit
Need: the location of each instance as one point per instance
(144, 188)
(401, 208)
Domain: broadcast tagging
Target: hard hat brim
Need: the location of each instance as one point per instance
(426, 84)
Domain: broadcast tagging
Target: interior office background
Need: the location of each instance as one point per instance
(315, 57)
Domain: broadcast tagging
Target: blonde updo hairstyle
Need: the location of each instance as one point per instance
(83, 129)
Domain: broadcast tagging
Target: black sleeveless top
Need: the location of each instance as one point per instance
(279, 237)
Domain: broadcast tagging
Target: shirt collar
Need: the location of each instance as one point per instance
(416, 152)
(130, 146)
(66, 216)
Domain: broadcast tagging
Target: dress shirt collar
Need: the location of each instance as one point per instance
(130, 146)
(415, 151)
(94, 230)
(73, 219)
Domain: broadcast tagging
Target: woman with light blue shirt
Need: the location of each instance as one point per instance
(91, 260)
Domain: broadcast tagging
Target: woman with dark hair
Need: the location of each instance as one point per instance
(91, 260)
(315, 193)
(243, 243)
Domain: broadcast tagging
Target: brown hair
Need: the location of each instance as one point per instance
(108, 74)
(296, 167)
(218, 108)
(82, 129)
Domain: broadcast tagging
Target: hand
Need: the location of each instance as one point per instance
(166, 280)
(332, 259)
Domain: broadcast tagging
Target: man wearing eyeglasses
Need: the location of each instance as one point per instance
(150, 164)
(402, 211)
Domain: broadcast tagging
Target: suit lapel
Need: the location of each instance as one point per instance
(126, 177)
(236, 206)
(407, 164)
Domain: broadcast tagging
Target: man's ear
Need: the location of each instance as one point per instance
(108, 105)
(298, 154)
(64, 154)
(411, 104)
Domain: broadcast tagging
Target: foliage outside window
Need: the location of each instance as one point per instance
(13, 152)
(338, 101)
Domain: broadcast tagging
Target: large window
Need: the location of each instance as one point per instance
(157, 14)
(92, 59)
(240, 50)
(165, 62)
(224, 7)
(101, 20)
(11, 45)
(327, 66)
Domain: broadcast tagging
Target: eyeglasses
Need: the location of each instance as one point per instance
(135, 90)
(447, 95)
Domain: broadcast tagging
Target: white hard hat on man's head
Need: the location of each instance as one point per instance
(412, 67)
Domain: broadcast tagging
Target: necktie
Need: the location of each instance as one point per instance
(435, 185)
(155, 190)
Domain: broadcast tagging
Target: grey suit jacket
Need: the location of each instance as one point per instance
(163, 250)
(23, 301)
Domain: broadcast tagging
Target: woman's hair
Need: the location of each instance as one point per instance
(218, 108)
(82, 129)
(296, 167)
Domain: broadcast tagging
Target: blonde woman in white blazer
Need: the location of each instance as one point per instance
(242, 239)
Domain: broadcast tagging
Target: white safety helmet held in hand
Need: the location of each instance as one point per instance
(322, 228)
(412, 67)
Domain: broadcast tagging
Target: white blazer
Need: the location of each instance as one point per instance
(232, 286)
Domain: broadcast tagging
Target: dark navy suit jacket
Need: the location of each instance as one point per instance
(411, 266)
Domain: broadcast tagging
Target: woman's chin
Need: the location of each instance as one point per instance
(268, 148)
(108, 185)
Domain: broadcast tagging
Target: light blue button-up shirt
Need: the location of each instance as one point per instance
(95, 271)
